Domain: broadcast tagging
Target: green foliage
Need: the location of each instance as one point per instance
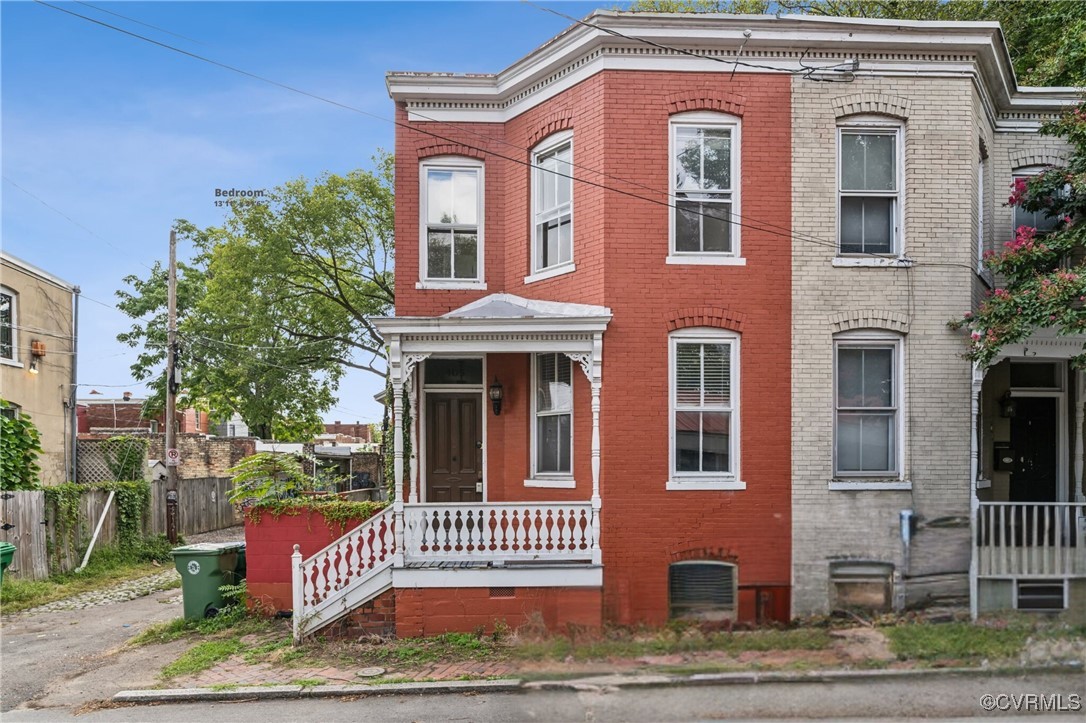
(1045, 37)
(125, 456)
(1043, 275)
(268, 476)
(131, 500)
(276, 303)
(201, 657)
(335, 511)
(959, 641)
(19, 452)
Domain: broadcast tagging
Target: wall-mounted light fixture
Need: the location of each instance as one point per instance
(1007, 406)
(37, 351)
(496, 395)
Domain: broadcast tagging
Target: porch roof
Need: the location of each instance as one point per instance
(1044, 343)
(502, 314)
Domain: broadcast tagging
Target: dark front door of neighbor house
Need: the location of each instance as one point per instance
(454, 450)
(1033, 438)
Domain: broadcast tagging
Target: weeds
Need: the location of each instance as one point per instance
(201, 657)
(956, 641)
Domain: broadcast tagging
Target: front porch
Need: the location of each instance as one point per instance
(476, 508)
(1029, 511)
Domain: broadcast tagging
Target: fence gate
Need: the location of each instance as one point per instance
(22, 523)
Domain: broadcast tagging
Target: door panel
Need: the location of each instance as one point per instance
(454, 448)
(1033, 438)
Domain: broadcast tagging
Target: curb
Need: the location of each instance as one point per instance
(512, 685)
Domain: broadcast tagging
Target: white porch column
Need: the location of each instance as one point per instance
(974, 473)
(597, 501)
(395, 371)
(1080, 411)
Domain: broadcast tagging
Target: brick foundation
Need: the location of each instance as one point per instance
(433, 611)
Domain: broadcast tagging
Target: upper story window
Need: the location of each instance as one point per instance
(867, 404)
(704, 401)
(1037, 219)
(452, 221)
(552, 437)
(704, 186)
(552, 203)
(8, 346)
(869, 187)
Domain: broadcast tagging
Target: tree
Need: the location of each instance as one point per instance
(1046, 38)
(276, 302)
(1043, 275)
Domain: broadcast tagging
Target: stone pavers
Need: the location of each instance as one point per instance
(121, 592)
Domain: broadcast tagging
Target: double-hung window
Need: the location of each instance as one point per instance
(1037, 219)
(8, 348)
(704, 186)
(553, 411)
(452, 229)
(869, 188)
(552, 201)
(704, 401)
(867, 405)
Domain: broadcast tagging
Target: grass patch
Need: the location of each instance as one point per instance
(233, 619)
(108, 566)
(201, 657)
(308, 682)
(956, 641)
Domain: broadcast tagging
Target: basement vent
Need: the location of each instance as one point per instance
(860, 585)
(503, 592)
(1046, 595)
(702, 589)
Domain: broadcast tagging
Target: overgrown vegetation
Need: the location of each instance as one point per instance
(962, 642)
(19, 469)
(132, 500)
(125, 456)
(108, 566)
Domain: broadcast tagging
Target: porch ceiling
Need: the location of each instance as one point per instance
(1044, 343)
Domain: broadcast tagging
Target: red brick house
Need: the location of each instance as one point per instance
(637, 465)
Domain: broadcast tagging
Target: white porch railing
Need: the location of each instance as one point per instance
(1031, 539)
(352, 570)
(500, 531)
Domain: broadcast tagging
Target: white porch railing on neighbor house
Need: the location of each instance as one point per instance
(1031, 539)
(359, 566)
(352, 570)
(509, 531)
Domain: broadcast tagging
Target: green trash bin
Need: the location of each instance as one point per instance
(7, 554)
(204, 568)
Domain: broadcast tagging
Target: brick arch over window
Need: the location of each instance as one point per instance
(870, 319)
(560, 121)
(880, 103)
(706, 99)
(709, 554)
(710, 316)
(1022, 157)
(450, 149)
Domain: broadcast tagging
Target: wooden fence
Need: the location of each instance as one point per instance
(31, 525)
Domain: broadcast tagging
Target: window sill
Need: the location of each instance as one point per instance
(888, 262)
(694, 260)
(705, 484)
(556, 483)
(869, 485)
(436, 284)
(550, 273)
(11, 362)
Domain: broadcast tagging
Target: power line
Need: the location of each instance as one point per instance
(139, 22)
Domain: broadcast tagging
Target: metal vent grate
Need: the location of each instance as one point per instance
(1040, 596)
(503, 592)
(700, 588)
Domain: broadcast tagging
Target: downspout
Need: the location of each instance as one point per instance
(75, 365)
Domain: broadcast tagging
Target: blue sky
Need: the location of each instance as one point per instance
(119, 137)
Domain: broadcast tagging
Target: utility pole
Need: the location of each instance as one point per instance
(172, 458)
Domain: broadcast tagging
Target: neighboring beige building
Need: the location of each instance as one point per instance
(899, 179)
(38, 357)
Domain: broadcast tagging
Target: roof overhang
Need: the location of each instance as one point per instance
(788, 42)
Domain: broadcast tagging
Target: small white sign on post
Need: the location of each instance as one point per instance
(173, 457)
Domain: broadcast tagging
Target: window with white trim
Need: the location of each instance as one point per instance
(867, 405)
(552, 201)
(982, 241)
(452, 215)
(552, 408)
(704, 185)
(1037, 219)
(8, 321)
(869, 181)
(704, 405)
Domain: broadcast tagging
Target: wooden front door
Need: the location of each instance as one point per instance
(454, 449)
(1033, 437)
